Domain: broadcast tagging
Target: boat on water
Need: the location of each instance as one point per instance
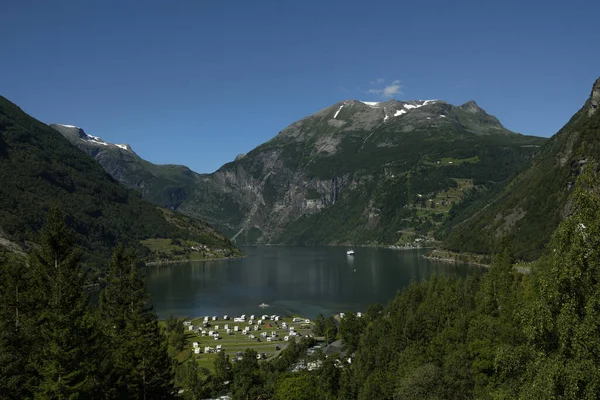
(263, 305)
(350, 252)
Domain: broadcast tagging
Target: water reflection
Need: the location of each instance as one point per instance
(291, 279)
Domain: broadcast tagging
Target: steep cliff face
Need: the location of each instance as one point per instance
(359, 172)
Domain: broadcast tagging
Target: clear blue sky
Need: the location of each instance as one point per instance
(198, 82)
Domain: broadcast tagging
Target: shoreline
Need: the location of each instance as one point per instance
(166, 262)
(455, 261)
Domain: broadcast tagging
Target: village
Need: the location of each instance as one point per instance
(268, 335)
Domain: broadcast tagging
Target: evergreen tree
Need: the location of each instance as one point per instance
(140, 365)
(65, 348)
(16, 372)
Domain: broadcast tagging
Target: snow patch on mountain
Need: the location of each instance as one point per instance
(399, 112)
(373, 104)
(338, 111)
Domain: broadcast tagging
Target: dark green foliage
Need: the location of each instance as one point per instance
(351, 329)
(40, 169)
(54, 343)
(139, 365)
(66, 347)
(16, 328)
(529, 207)
(319, 327)
(247, 379)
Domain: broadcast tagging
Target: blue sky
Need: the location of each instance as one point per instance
(198, 82)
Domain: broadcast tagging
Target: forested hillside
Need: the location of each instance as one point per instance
(528, 209)
(40, 169)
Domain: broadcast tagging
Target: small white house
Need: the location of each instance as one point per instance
(264, 334)
(216, 327)
(187, 323)
(292, 329)
(264, 317)
(226, 326)
(228, 331)
(251, 337)
(216, 338)
(252, 316)
(342, 315)
(205, 319)
(269, 339)
(243, 317)
(207, 350)
(210, 333)
(195, 344)
(296, 319)
(359, 314)
(236, 328)
(244, 332)
(255, 327)
(307, 321)
(225, 317)
(250, 322)
(203, 333)
(277, 318)
(197, 350)
(286, 338)
(214, 318)
(219, 348)
(191, 328)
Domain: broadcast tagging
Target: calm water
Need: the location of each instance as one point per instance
(292, 280)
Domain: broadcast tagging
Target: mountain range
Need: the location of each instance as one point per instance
(40, 170)
(371, 173)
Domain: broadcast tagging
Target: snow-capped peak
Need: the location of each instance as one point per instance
(68, 126)
(96, 140)
(371, 103)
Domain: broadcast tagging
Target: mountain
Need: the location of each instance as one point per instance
(525, 212)
(39, 169)
(166, 185)
(355, 173)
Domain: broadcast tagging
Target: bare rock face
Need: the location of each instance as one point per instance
(595, 98)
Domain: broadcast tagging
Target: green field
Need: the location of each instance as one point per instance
(237, 341)
(174, 249)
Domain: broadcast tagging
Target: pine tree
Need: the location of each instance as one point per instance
(64, 351)
(16, 372)
(140, 366)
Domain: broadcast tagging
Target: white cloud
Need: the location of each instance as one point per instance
(392, 89)
(389, 90)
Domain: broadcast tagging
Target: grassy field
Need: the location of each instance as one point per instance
(180, 249)
(236, 341)
(443, 201)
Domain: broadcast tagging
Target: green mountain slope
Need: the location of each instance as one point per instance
(165, 185)
(364, 173)
(40, 169)
(531, 206)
